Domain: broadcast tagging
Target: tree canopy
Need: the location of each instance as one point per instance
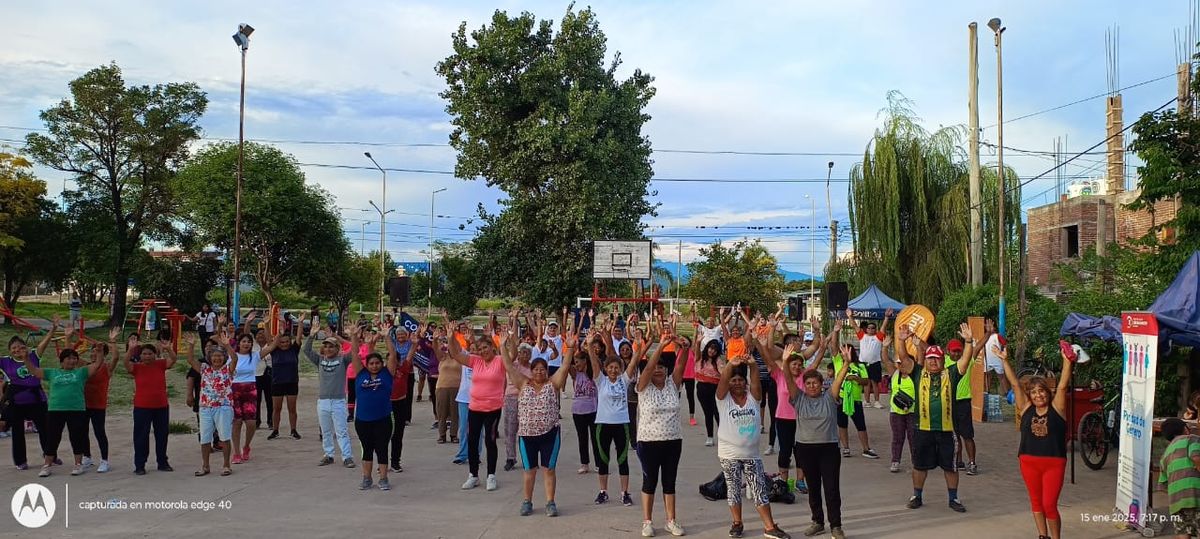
(542, 116)
(123, 145)
(743, 273)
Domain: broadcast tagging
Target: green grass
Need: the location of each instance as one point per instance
(43, 311)
(179, 427)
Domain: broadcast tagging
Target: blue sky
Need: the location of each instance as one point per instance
(753, 77)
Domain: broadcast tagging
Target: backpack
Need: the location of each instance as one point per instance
(714, 490)
(779, 492)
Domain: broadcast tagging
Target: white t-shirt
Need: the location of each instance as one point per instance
(992, 362)
(464, 387)
(617, 344)
(870, 348)
(739, 429)
(658, 413)
(710, 334)
(247, 365)
(206, 322)
(612, 400)
(557, 343)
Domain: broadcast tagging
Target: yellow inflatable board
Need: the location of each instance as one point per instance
(920, 321)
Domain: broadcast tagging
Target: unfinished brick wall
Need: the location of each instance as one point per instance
(1047, 241)
(1132, 225)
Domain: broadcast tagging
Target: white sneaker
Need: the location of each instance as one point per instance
(78, 470)
(87, 463)
(675, 529)
(103, 467)
(647, 528)
(894, 468)
(471, 483)
(491, 482)
(708, 442)
(770, 450)
(878, 405)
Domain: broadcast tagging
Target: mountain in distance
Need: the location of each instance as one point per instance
(671, 268)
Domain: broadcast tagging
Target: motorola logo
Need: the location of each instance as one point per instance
(33, 505)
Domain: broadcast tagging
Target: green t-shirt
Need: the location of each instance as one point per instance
(901, 383)
(66, 389)
(852, 391)
(963, 389)
(1180, 474)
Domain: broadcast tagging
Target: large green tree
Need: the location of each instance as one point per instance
(910, 211)
(183, 280)
(542, 116)
(20, 192)
(123, 145)
(289, 228)
(744, 272)
(46, 255)
(347, 277)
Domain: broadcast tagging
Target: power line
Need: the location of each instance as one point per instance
(1084, 100)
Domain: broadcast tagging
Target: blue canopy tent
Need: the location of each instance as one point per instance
(1106, 328)
(872, 304)
(1178, 307)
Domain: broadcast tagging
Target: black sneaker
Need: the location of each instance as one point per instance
(736, 529)
(626, 499)
(601, 498)
(295, 435)
(914, 502)
(396, 468)
(165, 468)
(509, 465)
(325, 461)
(777, 533)
(274, 434)
(957, 506)
(139, 471)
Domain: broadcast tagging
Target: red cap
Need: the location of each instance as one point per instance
(955, 346)
(934, 351)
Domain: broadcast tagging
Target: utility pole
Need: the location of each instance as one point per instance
(679, 273)
(1001, 194)
(976, 266)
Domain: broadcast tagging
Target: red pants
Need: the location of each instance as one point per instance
(1044, 480)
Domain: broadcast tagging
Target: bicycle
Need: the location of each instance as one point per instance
(1097, 432)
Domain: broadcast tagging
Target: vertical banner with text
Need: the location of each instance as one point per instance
(1139, 331)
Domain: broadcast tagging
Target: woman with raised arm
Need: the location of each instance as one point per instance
(151, 409)
(1043, 450)
(738, 395)
(538, 420)
(245, 395)
(405, 345)
(901, 400)
(66, 405)
(486, 402)
(708, 374)
(817, 444)
(524, 354)
(372, 418)
(284, 353)
(612, 413)
(28, 401)
(216, 401)
(95, 396)
(785, 415)
(583, 405)
(660, 433)
(331, 393)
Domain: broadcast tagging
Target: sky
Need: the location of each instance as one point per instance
(327, 81)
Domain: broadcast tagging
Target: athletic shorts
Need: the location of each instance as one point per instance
(245, 400)
(964, 426)
(285, 390)
(217, 419)
(875, 371)
(933, 449)
(994, 366)
(540, 451)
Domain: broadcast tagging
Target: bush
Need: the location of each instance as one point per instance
(179, 427)
(1043, 320)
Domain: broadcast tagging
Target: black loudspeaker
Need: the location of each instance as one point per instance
(837, 295)
(796, 308)
(398, 289)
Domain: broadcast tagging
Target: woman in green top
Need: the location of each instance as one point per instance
(851, 398)
(902, 420)
(66, 403)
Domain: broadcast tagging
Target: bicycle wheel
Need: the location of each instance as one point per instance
(1092, 445)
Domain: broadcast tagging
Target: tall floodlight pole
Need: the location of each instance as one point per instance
(382, 228)
(432, 200)
(975, 187)
(242, 38)
(812, 245)
(998, 30)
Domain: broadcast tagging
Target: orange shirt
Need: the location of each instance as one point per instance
(735, 347)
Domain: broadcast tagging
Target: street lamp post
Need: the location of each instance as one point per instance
(998, 30)
(432, 198)
(242, 39)
(812, 243)
(382, 229)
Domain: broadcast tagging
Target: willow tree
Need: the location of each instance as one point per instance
(910, 209)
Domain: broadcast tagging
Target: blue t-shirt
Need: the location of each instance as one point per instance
(373, 396)
(285, 365)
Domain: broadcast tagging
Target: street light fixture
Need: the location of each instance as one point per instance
(242, 39)
(1001, 260)
(382, 228)
(432, 197)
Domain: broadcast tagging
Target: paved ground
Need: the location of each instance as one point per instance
(282, 492)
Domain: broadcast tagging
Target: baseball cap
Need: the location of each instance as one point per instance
(808, 335)
(332, 341)
(955, 346)
(934, 351)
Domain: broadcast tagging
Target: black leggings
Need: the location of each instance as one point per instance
(487, 424)
(585, 430)
(401, 414)
(822, 466)
(373, 436)
(690, 386)
(76, 422)
(17, 414)
(407, 403)
(787, 442)
(97, 416)
(350, 395)
(860, 421)
(263, 384)
(707, 394)
(771, 402)
(659, 455)
(432, 381)
(618, 436)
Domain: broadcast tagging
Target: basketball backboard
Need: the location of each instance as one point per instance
(621, 259)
